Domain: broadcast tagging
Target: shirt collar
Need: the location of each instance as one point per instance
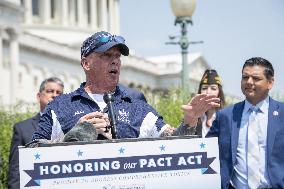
(262, 105)
(119, 93)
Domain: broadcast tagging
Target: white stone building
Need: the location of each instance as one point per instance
(42, 38)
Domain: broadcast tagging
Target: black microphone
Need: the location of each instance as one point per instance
(108, 98)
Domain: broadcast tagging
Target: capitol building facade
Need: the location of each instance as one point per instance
(42, 38)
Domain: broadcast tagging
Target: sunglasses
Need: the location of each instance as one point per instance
(98, 41)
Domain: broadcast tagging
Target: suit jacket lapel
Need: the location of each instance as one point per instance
(235, 127)
(273, 124)
(35, 121)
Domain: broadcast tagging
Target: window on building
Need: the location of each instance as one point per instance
(35, 4)
(89, 11)
(35, 81)
(20, 78)
(52, 8)
(70, 10)
(76, 11)
(99, 13)
(54, 11)
(108, 16)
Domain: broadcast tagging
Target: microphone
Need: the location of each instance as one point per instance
(108, 98)
(85, 131)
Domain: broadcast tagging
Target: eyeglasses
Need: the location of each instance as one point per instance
(96, 42)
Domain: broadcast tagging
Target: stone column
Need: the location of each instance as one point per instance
(94, 14)
(82, 20)
(28, 11)
(64, 12)
(116, 17)
(46, 11)
(103, 15)
(14, 64)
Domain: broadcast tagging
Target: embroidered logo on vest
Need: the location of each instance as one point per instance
(78, 112)
(123, 116)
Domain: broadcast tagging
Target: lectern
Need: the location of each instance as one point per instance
(148, 163)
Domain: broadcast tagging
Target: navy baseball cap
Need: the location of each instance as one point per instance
(102, 41)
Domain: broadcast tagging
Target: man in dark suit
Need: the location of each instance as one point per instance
(259, 120)
(23, 131)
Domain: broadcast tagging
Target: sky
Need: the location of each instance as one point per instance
(232, 31)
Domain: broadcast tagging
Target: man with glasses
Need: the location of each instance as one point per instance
(100, 60)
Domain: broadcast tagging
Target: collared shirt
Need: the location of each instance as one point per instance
(239, 179)
(205, 128)
(135, 118)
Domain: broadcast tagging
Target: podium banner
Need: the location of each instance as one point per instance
(171, 162)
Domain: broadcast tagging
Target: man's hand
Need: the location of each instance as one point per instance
(198, 105)
(100, 121)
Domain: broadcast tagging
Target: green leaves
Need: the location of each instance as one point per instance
(7, 120)
(169, 105)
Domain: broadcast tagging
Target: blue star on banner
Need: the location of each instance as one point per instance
(37, 156)
(203, 170)
(162, 148)
(80, 153)
(37, 181)
(202, 145)
(121, 150)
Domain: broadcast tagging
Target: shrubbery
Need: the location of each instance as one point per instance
(169, 106)
(7, 120)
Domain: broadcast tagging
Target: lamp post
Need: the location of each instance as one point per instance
(183, 10)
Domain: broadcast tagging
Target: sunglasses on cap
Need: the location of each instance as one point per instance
(105, 38)
(94, 43)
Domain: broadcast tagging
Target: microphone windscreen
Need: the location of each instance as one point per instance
(108, 97)
(85, 131)
(37, 142)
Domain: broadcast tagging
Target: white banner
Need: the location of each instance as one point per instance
(126, 164)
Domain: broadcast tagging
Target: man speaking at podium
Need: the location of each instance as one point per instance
(100, 60)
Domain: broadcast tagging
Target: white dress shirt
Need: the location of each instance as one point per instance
(205, 128)
(239, 179)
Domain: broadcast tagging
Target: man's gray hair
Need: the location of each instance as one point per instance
(51, 79)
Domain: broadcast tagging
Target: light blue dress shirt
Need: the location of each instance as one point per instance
(239, 179)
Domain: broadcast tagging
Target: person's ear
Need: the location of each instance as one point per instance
(85, 63)
(38, 96)
(270, 83)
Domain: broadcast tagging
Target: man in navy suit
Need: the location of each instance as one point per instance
(232, 124)
(23, 131)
